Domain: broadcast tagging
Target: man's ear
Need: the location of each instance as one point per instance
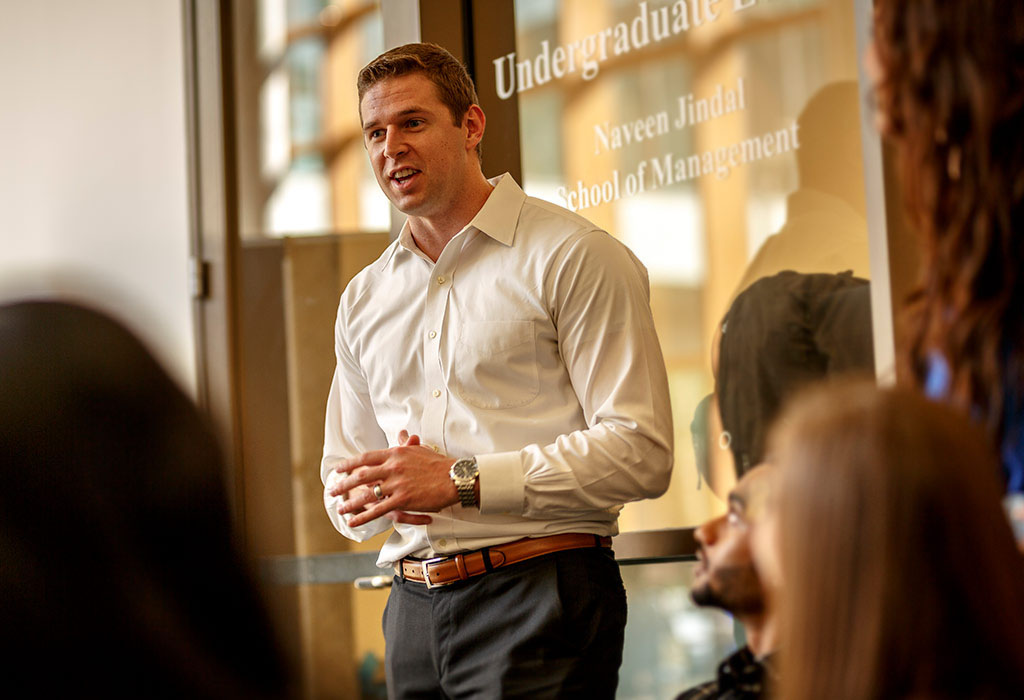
(474, 123)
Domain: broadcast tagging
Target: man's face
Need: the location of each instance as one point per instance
(725, 576)
(418, 155)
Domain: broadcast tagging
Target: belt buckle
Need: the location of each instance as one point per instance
(426, 576)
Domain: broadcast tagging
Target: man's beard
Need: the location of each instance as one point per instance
(736, 590)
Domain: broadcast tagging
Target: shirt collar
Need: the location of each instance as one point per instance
(497, 218)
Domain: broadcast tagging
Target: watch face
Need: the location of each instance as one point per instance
(464, 469)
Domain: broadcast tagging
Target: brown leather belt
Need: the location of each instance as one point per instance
(443, 571)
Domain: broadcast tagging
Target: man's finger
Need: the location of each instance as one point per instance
(373, 457)
(364, 477)
(372, 511)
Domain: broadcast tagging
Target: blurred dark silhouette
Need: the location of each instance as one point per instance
(121, 574)
(781, 334)
(898, 574)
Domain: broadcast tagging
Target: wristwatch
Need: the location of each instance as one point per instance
(465, 473)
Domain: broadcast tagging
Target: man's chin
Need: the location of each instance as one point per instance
(410, 206)
(704, 597)
(402, 204)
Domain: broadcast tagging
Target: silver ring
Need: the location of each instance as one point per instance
(378, 492)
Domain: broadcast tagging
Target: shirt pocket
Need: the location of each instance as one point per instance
(496, 364)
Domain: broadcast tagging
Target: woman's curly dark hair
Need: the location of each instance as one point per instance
(952, 98)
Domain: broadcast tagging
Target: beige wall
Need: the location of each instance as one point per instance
(93, 189)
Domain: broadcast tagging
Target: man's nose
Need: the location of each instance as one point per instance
(708, 532)
(394, 143)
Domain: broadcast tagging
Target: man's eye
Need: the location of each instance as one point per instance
(415, 123)
(376, 133)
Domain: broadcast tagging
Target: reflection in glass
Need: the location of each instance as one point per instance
(310, 215)
(720, 148)
(824, 228)
(299, 81)
(671, 644)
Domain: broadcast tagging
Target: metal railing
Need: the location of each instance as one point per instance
(360, 568)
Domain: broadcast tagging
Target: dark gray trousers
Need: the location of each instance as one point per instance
(550, 627)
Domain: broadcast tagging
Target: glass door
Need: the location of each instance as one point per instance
(721, 140)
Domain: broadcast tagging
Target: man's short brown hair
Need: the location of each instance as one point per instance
(454, 86)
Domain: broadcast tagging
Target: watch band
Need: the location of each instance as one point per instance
(467, 493)
(464, 474)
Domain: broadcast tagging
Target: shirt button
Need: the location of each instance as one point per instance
(443, 543)
(441, 279)
(436, 448)
(437, 393)
(433, 334)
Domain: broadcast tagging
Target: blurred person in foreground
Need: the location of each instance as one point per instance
(499, 395)
(121, 575)
(949, 85)
(725, 578)
(894, 574)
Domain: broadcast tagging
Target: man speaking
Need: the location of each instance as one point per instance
(499, 394)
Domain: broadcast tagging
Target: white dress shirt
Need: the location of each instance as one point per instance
(530, 345)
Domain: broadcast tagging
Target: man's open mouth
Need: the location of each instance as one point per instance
(403, 175)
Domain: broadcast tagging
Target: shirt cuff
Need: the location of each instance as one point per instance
(340, 522)
(501, 483)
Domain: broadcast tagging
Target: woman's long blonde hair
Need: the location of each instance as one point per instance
(901, 572)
